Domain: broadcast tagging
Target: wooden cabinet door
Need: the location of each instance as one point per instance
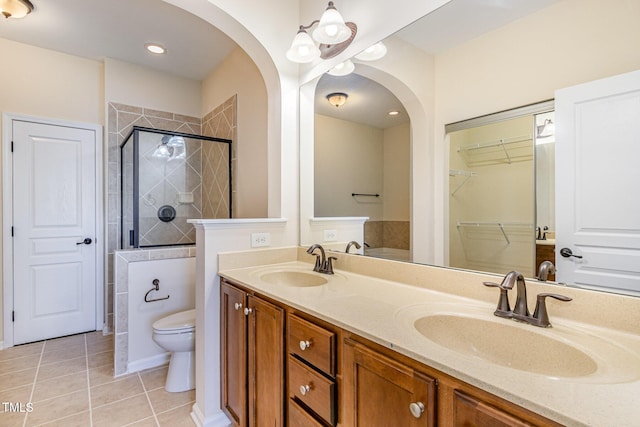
(233, 353)
(379, 391)
(266, 363)
(471, 412)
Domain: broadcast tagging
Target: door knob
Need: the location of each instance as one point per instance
(416, 409)
(86, 241)
(567, 253)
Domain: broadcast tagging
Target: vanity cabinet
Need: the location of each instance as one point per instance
(252, 358)
(380, 391)
(336, 378)
(312, 370)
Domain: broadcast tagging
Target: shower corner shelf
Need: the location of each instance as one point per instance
(463, 173)
(501, 151)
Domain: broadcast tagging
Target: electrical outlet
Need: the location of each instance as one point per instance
(330, 235)
(260, 240)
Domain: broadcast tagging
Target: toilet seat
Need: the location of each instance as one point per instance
(178, 323)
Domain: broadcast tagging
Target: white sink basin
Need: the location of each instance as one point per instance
(564, 351)
(294, 278)
(506, 345)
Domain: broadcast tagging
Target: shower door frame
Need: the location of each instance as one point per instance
(136, 181)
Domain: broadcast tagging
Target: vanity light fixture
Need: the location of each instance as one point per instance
(155, 48)
(332, 33)
(15, 8)
(373, 53)
(342, 69)
(337, 99)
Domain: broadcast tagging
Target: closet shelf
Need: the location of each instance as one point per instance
(500, 225)
(465, 174)
(504, 150)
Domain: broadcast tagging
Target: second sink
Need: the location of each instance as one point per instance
(294, 278)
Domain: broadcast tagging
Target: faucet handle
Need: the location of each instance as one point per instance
(318, 265)
(540, 316)
(503, 309)
(329, 267)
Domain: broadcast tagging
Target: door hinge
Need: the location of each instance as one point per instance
(12, 231)
(13, 316)
(12, 146)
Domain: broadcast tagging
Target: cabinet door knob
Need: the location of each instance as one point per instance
(248, 311)
(304, 389)
(305, 345)
(416, 409)
(237, 306)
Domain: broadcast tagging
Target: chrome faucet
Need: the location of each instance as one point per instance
(520, 310)
(352, 243)
(323, 264)
(546, 268)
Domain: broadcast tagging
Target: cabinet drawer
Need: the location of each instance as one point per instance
(298, 417)
(312, 343)
(312, 389)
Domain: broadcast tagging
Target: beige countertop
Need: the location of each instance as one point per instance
(384, 311)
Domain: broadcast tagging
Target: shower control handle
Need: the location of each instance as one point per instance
(86, 241)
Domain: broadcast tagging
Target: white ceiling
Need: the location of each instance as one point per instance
(119, 29)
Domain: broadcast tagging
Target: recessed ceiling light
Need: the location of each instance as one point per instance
(156, 48)
(393, 113)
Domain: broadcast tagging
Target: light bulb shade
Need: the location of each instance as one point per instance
(161, 152)
(331, 29)
(547, 129)
(373, 53)
(337, 99)
(15, 8)
(302, 49)
(342, 69)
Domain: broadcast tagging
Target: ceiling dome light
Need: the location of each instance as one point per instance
(331, 29)
(373, 53)
(302, 49)
(155, 48)
(342, 69)
(15, 8)
(337, 99)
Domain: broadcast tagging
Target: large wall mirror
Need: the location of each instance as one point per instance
(494, 176)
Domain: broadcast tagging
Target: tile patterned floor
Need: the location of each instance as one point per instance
(69, 382)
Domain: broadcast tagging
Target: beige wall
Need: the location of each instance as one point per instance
(348, 159)
(44, 83)
(572, 42)
(238, 75)
(397, 173)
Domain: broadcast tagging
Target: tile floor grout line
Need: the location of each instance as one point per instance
(35, 379)
(86, 354)
(146, 394)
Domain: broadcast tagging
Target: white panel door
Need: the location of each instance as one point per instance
(597, 188)
(54, 211)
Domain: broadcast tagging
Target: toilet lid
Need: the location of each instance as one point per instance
(181, 320)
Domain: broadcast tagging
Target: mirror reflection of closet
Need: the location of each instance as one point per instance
(501, 180)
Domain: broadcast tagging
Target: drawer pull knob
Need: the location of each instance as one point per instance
(304, 389)
(305, 345)
(248, 311)
(416, 409)
(237, 306)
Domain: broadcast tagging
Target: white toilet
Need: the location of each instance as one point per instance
(176, 334)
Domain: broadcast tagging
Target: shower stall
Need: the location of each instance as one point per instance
(167, 178)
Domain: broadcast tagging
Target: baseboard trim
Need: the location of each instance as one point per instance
(219, 419)
(148, 362)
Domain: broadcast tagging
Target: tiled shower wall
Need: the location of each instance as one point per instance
(388, 234)
(221, 122)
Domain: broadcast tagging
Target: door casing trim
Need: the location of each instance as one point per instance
(7, 217)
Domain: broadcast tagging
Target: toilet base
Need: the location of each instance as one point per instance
(182, 372)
